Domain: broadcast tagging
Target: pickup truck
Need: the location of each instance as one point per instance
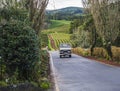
(65, 50)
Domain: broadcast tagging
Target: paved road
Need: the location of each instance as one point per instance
(81, 74)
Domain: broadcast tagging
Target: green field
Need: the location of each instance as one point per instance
(58, 33)
(58, 23)
(58, 38)
(60, 26)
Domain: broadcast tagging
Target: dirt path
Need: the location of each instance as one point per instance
(52, 42)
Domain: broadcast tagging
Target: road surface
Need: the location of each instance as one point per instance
(82, 74)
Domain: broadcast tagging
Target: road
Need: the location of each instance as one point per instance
(82, 74)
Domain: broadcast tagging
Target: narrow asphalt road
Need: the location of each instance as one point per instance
(81, 74)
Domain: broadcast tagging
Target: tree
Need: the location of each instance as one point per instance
(36, 10)
(12, 4)
(106, 17)
(37, 13)
(12, 9)
(74, 25)
(90, 27)
(20, 11)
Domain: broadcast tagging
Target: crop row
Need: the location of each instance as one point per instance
(59, 38)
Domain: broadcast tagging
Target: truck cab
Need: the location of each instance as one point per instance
(65, 50)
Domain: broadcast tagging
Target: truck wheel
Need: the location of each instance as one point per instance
(60, 56)
(70, 56)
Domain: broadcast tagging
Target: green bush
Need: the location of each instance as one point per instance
(44, 66)
(19, 48)
(44, 40)
(45, 84)
(3, 83)
(116, 53)
(100, 52)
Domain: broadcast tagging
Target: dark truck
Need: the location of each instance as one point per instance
(65, 50)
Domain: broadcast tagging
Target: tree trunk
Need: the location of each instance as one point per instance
(109, 51)
(94, 42)
(92, 49)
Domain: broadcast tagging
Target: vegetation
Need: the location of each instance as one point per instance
(36, 10)
(58, 32)
(44, 40)
(97, 32)
(96, 28)
(19, 42)
(57, 38)
(87, 32)
(99, 53)
(58, 23)
(59, 26)
(106, 20)
(21, 57)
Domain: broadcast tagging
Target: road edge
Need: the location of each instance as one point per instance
(52, 68)
(95, 60)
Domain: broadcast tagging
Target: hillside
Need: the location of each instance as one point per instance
(67, 13)
(60, 26)
(68, 10)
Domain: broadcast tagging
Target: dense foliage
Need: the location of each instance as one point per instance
(21, 58)
(99, 53)
(44, 40)
(20, 49)
(106, 21)
(11, 13)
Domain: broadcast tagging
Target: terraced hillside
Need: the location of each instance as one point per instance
(55, 39)
(58, 33)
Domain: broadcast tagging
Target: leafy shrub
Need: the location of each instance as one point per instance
(17, 14)
(3, 83)
(116, 53)
(45, 84)
(99, 52)
(81, 51)
(19, 48)
(44, 40)
(86, 52)
(45, 64)
(34, 83)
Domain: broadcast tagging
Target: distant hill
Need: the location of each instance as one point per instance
(67, 10)
(67, 13)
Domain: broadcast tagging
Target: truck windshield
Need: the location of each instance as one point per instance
(65, 46)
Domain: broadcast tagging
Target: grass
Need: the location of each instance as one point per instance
(60, 26)
(58, 23)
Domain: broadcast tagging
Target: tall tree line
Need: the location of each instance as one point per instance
(106, 16)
